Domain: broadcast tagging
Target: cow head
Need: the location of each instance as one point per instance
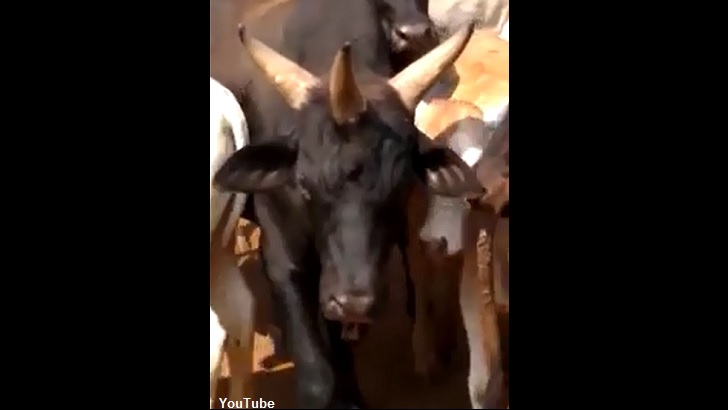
(357, 156)
(408, 28)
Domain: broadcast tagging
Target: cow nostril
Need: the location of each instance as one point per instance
(334, 309)
(361, 304)
(338, 301)
(412, 31)
(364, 300)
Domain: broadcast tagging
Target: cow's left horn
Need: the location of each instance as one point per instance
(346, 101)
(292, 80)
(412, 82)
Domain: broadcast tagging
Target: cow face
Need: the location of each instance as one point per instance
(483, 146)
(355, 184)
(358, 155)
(408, 28)
(443, 230)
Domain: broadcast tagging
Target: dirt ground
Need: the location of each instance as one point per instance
(384, 358)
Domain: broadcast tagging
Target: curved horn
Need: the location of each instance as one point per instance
(412, 82)
(345, 99)
(292, 80)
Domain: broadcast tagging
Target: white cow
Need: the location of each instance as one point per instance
(450, 15)
(231, 302)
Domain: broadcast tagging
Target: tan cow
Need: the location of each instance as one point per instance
(231, 302)
(470, 116)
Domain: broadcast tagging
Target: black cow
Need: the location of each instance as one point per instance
(407, 35)
(330, 193)
(409, 29)
(311, 32)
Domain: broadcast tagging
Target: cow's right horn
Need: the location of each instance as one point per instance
(412, 82)
(292, 80)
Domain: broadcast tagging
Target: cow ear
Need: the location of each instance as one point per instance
(256, 168)
(446, 174)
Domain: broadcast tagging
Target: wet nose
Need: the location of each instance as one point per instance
(349, 308)
(414, 31)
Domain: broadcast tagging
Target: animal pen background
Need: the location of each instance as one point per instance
(384, 360)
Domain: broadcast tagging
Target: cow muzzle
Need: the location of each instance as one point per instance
(442, 231)
(353, 313)
(416, 37)
(348, 308)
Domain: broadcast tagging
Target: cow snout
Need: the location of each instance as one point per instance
(437, 246)
(414, 32)
(417, 38)
(349, 308)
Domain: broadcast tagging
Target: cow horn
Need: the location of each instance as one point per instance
(292, 80)
(412, 82)
(346, 101)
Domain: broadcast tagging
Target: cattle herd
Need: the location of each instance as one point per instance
(347, 130)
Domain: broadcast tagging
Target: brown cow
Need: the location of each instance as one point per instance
(474, 123)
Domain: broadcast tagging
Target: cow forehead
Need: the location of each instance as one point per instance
(370, 140)
(384, 103)
(385, 118)
(375, 149)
